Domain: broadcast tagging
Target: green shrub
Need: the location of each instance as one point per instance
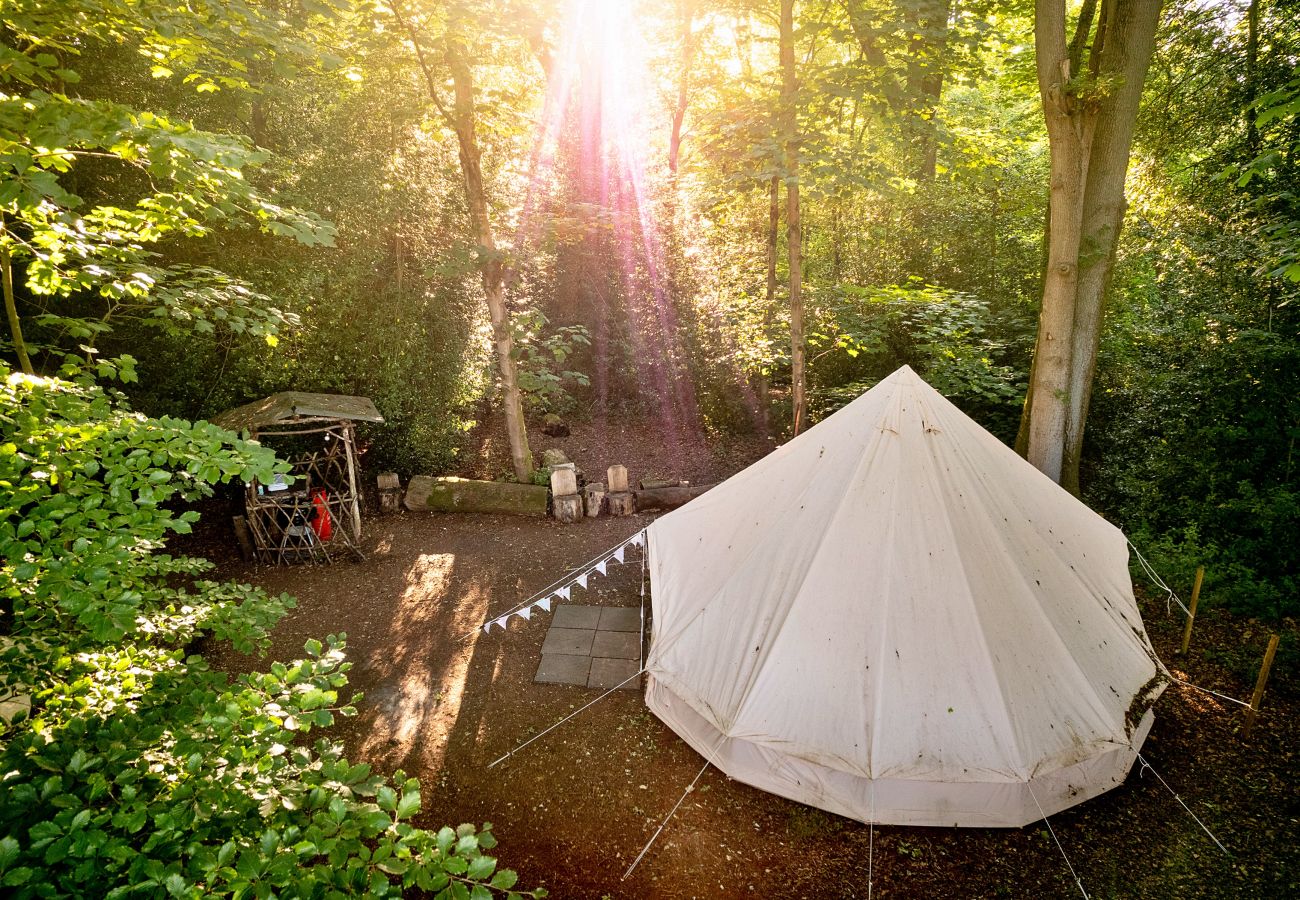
(140, 770)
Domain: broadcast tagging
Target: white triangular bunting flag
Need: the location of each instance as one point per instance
(600, 566)
(562, 593)
(502, 622)
(581, 580)
(487, 626)
(637, 540)
(526, 612)
(618, 555)
(544, 603)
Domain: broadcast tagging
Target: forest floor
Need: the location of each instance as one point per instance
(572, 810)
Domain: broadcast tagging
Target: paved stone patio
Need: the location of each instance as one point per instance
(592, 646)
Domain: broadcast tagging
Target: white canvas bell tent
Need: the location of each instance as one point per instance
(895, 618)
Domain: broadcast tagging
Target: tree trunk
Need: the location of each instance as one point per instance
(1252, 78)
(11, 304)
(686, 14)
(762, 385)
(493, 269)
(1089, 137)
(790, 116)
(461, 118)
(927, 20)
(1127, 50)
(1069, 133)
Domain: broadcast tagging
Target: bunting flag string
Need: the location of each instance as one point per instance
(563, 589)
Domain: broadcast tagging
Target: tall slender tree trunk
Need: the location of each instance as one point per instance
(1252, 78)
(11, 304)
(762, 386)
(1090, 127)
(794, 248)
(928, 21)
(493, 269)
(461, 118)
(686, 51)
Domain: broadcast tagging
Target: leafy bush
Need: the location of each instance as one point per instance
(140, 770)
(864, 334)
(541, 352)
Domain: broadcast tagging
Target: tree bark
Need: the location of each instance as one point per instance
(1127, 49)
(461, 118)
(1090, 137)
(686, 14)
(790, 116)
(493, 268)
(928, 22)
(762, 385)
(1069, 133)
(11, 305)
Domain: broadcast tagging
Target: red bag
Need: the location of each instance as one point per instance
(321, 522)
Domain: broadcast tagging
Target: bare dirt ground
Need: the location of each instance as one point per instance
(443, 700)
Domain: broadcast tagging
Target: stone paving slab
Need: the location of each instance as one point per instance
(573, 641)
(569, 615)
(563, 668)
(605, 673)
(619, 618)
(617, 645)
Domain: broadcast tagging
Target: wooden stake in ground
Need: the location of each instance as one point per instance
(1258, 697)
(1191, 610)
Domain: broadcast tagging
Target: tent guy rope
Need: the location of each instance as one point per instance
(1052, 832)
(708, 761)
(1145, 766)
(1159, 582)
(567, 718)
(680, 800)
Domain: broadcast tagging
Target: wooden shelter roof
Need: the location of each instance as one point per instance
(296, 404)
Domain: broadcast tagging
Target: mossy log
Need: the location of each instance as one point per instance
(467, 495)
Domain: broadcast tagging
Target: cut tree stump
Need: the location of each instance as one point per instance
(621, 503)
(568, 509)
(668, 497)
(467, 495)
(390, 492)
(564, 480)
(595, 494)
(617, 476)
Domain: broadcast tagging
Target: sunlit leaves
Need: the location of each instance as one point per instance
(139, 769)
(177, 181)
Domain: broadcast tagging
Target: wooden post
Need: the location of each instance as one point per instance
(244, 538)
(390, 491)
(1258, 697)
(1191, 610)
(350, 448)
(595, 495)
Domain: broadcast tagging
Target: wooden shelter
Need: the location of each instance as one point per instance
(316, 516)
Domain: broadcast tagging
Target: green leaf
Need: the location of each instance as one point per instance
(409, 805)
(480, 867)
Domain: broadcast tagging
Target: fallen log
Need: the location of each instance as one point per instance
(467, 495)
(668, 497)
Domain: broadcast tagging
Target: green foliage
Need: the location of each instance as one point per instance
(541, 352)
(944, 335)
(175, 180)
(140, 771)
